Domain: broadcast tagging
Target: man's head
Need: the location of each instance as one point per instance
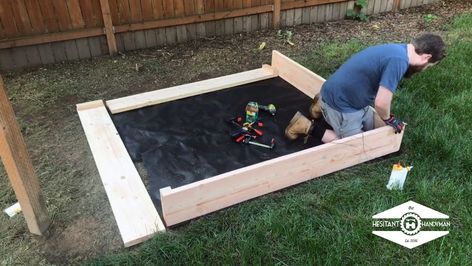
(429, 49)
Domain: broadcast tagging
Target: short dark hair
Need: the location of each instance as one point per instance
(430, 44)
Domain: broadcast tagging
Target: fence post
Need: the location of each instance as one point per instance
(396, 5)
(276, 16)
(19, 168)
(109, 30)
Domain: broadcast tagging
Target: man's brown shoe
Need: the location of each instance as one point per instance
(298, 126)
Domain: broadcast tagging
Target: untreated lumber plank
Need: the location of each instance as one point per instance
(183, 91)
(215, 193)
(297, 75)
(19, 168)
(134, 212)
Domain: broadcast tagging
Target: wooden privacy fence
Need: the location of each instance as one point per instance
(36, 32)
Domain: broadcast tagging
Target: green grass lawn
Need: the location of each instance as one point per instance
(328, 220)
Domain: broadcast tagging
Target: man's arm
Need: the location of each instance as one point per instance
(383, 101)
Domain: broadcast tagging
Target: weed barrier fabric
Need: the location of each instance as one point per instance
(187, 140)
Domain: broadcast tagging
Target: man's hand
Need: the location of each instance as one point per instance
(395, 123)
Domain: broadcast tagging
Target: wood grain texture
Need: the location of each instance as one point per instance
(297, 16)
(21, 16)
(139, 39)
(6, 59)
(135, 11)
(59, 51)
(215, 193)
(95, 46)
(35, 16)
(83, 48)
(255, 23)
(32, 55)
(18, 165)
(134, 212)
(321, 16)
(276, 15)
(108, 23)
(187, 90)
(75, 13)
(289, 17)
(329, 12)
(19, 57)
(196, 199)
(8, 20)
(370, 7)
(46, 54)
(72, 52)
(299, 76)
(247, 20)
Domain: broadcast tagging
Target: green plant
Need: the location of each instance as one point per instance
(286, 36)
(429, 18)
(356, 12)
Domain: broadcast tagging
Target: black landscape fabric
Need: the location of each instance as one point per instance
(187, 140)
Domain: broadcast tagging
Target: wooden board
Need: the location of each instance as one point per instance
(18, 165)
(289, 17)
(59, 51)
(215, 193)
(187, 90)
(306, 15)
(296, 74)
(6, 60)
(19, 57)
(321, 16)
(313, 14)
(95, 46)
(297, 16)
(83, 48)
(208, 195)
(134, 212)
(32, 55)
(370, 7)
(72, 52)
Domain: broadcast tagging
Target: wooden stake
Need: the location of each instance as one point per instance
(276, 16)
(109, 31)
(19, 168)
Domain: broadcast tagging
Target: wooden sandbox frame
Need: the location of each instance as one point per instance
(135, 214)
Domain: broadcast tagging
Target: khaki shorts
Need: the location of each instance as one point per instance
(348, 124)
